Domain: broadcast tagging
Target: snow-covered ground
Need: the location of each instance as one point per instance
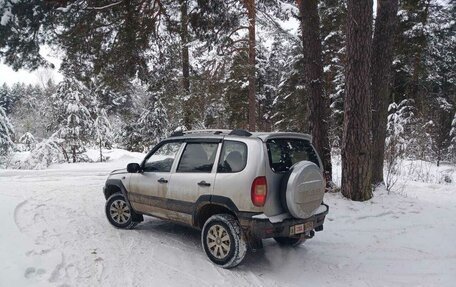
(54, 233)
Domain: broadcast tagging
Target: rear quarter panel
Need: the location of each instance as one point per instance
(237, 186)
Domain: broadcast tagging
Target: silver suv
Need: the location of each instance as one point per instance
(237, 187)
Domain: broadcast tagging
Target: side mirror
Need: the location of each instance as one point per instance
(133, 168)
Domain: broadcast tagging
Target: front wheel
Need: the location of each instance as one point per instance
(290, 241)
(119, 213)
(223, 240)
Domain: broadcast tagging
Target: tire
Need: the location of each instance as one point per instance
(223, 240)
(119, 213)
(289, 241)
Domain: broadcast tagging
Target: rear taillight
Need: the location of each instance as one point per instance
(259, 191)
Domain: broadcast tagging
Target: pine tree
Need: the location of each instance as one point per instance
(398, 121)
(438, 127)
(46, 152)
(87, 30)
(424, 70)
(28, 114)
(400, 116)
(6, 134)
(131, 139)
(452, 148)
(333, 14)
(153, 123)
(410, 49)
(236, 92)
(73, 116)
(7, 99)
(102, 130)
(267, 80)
(289, 116)
(440, 80)
(28, 140)
(20, 20)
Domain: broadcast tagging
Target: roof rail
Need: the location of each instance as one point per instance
(213, 131)
(237, 132)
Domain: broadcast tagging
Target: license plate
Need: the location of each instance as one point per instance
(301, 228)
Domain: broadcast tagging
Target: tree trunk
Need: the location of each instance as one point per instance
(73, 151)
(251, 14)
(356, 145)
(65, 154)
(382, 58)
(185, 64)
(101, 152)
(319, 107)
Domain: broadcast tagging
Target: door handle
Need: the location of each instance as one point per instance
(162, 180)
(203, 183)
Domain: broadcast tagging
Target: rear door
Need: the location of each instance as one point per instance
(194, 175)
(283, 153)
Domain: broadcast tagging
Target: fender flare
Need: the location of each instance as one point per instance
(118, 183)
(207, 199)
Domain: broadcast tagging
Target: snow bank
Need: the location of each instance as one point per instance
(27, 160)
(114, 155)
(409, 171)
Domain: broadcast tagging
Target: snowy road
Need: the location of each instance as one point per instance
(54, 233)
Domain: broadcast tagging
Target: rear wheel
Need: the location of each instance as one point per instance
(119, 213)
(223, 240)
(289, 241)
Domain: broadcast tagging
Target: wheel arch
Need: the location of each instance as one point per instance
(209, 205)
(111, 189)
(113, 186)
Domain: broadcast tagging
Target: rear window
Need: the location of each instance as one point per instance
(284, 153)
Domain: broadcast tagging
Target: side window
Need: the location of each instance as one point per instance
(198, 157)
(233, 157)
(163, 158)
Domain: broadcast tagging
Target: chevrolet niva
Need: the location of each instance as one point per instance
(235, 186)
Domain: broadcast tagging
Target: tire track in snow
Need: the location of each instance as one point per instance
(41, 223)
(16, 214)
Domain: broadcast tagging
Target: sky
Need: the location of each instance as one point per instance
(40, 76)
(9, 76)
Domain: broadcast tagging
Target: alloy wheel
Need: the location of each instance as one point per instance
(119, 211)
(218, 241)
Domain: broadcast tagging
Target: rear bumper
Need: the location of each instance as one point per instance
(259, 228)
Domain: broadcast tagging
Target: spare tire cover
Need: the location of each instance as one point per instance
(305, 189)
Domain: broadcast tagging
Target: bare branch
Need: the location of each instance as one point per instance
(278, 28)
(237, 29)
(104, 7)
